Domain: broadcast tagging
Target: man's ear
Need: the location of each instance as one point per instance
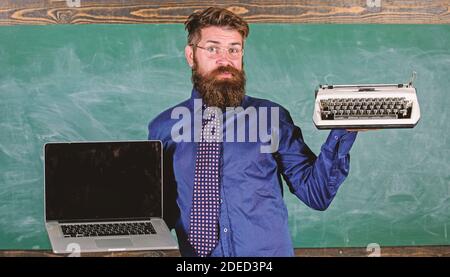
(189, 54)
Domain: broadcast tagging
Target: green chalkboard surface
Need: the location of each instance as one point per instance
(105, 82)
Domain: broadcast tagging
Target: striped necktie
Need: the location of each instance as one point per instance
(203, 230)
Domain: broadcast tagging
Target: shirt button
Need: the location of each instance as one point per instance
(336, 137)
(225, 230)
(221, 200)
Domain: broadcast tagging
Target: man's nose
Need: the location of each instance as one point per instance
(223, 60)
(223, 57)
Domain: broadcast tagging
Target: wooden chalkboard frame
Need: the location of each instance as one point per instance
(32, 12)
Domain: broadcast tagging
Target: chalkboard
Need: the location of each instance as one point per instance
(105, 82)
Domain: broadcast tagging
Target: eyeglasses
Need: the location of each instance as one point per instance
(214, 52)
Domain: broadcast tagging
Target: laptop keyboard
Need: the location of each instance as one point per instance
(109, 229)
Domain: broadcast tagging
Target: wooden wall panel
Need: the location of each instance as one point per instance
(139, 11)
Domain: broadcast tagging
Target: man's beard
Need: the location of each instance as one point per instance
(221, 93)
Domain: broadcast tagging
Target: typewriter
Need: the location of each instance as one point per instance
(366, 106)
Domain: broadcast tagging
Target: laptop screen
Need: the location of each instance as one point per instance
(95, 181)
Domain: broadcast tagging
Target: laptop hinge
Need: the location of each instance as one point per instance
(104, 220)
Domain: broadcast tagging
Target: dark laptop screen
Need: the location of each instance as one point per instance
(103, 180)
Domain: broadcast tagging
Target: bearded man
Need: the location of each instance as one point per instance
(225, 198)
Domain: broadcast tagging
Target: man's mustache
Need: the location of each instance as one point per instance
(225, 69)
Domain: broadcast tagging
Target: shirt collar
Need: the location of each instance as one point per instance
(195, 94)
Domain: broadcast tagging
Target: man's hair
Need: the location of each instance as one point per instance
(213, 17)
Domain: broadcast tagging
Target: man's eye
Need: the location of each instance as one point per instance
(233, 50)
(211, 49)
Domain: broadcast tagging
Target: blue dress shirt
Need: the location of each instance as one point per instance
(253, 217)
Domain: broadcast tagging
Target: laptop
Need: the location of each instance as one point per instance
(105, 196)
